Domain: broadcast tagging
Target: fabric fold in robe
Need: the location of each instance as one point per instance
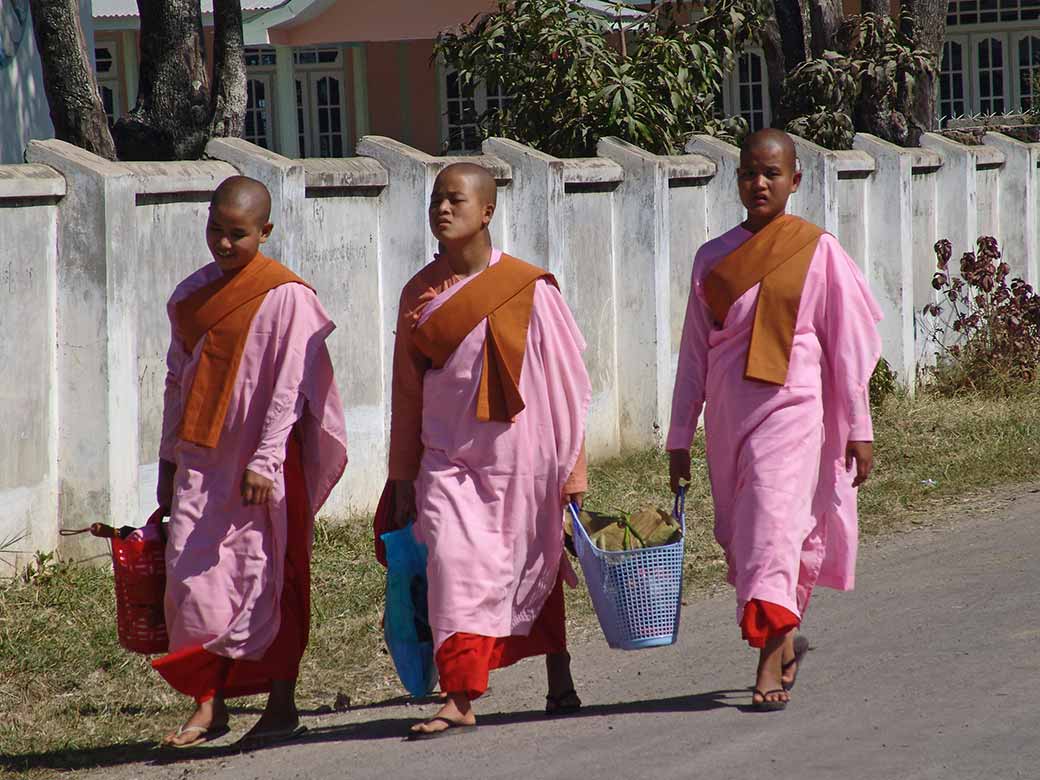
(196, 672)
(764, 620)
(500, 298)
(785, 508)
(236, 573)
(464, 661)
(490, 493)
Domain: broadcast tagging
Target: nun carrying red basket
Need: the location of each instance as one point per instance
(253, 441)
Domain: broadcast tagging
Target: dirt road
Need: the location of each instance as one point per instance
(930, 669)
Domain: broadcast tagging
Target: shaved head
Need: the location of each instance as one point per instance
(244, 194)
(771, 137)
(478, 177)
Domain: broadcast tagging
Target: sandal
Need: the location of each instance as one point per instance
(567, 703)
(801, 647)
(451, 727)
(765, 705)
(205, 734)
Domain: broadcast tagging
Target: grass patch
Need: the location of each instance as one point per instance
(72, 698)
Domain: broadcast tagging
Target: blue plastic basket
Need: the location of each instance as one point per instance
(636, 593)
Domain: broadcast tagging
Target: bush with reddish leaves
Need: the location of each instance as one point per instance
(985, 325)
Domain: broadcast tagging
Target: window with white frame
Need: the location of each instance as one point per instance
(1028, 69)
(258, 106)
(960, 13)
(260, 57)
(745, 91)
(461, 111)
(321, 108)
(952, 81)
(108, 81)
(989, 52)
(752, 89)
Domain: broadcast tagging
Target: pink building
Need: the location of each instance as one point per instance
(323, 73)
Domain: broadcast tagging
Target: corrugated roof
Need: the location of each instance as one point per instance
(114, 8)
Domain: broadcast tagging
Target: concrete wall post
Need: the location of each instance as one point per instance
(1019, 198)
(890, 254)
(96, 300)
(642, 270)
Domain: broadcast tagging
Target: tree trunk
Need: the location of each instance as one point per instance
(68, 77)
(776, 70)
(171, 120)
(229, 70)
(929, 17)
(824, 18)
(793, 34)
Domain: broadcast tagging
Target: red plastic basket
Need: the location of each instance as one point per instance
(139, 565)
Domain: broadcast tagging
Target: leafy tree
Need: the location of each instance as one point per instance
(866, 85)
(176, 111)
(817, 60)
(575, 76)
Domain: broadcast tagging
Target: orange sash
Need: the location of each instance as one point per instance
(777, 257)
(504, 295)
(222, 312)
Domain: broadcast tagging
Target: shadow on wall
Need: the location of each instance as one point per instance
(23, 101)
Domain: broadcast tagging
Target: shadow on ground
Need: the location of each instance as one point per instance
(380, 728)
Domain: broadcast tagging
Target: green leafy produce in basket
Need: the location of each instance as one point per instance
(649, 527)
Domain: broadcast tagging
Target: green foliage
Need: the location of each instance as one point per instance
(985, 325)
(866, 85)
(572, 80)
(883, 383)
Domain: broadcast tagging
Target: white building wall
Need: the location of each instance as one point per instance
(99, 246)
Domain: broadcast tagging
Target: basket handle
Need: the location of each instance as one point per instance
(573, 508)
(679, 508)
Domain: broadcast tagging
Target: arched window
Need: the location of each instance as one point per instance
(990, 53)
(751, 87)
(1028, 69)
(952, 100)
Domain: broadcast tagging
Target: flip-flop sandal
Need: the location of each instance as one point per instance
(765, 705)
(801, 647)
(453, 727)
(206, 734)
(267, 738)
(555, 705)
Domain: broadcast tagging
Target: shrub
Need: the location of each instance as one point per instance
(571, 80)
(866, 85)
(985, 325)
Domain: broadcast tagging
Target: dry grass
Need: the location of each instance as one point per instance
(72, 698)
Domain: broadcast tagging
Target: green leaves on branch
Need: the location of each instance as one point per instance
(866, 85)
(572, 80)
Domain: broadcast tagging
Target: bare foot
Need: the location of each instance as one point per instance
(789, 667)
(280, 716)
(457, 709)
(209, 715)
(768, 683)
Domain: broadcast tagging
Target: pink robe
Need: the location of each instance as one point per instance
(785, 508)
(225, 561)
(490, 494)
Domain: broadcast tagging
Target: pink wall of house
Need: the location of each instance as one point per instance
(403, 99)
(387, 20)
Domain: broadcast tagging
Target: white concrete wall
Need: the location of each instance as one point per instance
(99, 246)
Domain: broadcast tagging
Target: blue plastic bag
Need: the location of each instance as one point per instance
(406, 623)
